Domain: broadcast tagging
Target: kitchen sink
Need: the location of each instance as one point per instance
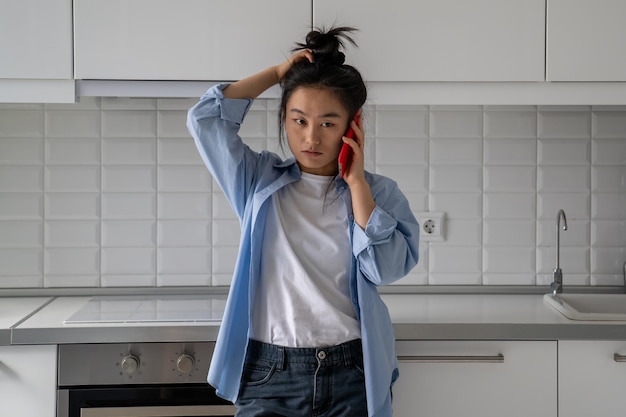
(609, 307)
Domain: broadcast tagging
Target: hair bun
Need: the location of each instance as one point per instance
(326, 45)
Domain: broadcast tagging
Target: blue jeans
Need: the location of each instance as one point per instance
(291, 382)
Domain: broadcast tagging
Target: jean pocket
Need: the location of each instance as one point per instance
(257, 373)
(358, 368)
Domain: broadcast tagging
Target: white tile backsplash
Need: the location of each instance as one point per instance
(129, 261)
(184, 233)
(560, 124)
(129, 124)
(16, 262)
(21, 178)
(72, 261)
(608, 124)
(21, 233)
(184, 205)
(73, 124)
(609, 179)
(72, 178)
(511, 123)
(129, 178)
(174, 178)
(72, 233)
(465, 151)
(178, 151)
(510, 179)
(128, 233)
(63, 206)
(609, 151)
(456, 178)
(510, 152)
(129, 151)
(18, 151)
(456, 123)
(21, 123)
(73, 151)
(509, 206)
(172, 123)
(401, 122)
(555, 179)
(20, 205)
(129, 205)
(111, 192)
(185, 260)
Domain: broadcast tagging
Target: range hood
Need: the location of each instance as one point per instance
(397, 93)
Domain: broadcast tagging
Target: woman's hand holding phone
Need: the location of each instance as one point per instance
(346, 153)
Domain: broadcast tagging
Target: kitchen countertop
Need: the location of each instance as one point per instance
(13, 310)
(415, 317)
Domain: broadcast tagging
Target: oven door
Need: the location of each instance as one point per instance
(143, 401)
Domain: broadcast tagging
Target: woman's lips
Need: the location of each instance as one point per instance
(312, 154)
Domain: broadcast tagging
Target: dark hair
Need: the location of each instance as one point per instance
(327, 71)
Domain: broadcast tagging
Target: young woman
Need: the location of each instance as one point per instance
(305, 332)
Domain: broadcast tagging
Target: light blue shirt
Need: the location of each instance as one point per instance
(382, 253)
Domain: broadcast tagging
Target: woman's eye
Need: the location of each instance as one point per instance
(327, 124)
(300, 121)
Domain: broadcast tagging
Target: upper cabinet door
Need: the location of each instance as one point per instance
(586, 40)
(184, 39)
(443, 40)
(36, 39)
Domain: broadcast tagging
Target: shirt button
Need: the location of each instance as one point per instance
(321, 355)
(351, 217)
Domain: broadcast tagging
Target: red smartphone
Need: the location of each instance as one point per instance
(345, 155)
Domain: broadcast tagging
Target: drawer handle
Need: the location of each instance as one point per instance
(454, 359)
(619, 358)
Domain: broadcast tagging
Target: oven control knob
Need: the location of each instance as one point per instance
(129, 364)
(185, 363)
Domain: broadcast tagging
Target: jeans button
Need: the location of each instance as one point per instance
(321, 355)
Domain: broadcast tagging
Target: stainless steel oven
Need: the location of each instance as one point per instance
(137, 380)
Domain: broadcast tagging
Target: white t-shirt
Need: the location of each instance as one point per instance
(303, 295)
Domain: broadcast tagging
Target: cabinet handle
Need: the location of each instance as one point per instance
(454, 359)
(161, 411)
(619, 358)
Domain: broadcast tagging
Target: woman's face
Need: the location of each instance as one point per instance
(315, 122)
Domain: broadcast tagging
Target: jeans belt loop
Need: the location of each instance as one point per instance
(280, 358)
(347, 355)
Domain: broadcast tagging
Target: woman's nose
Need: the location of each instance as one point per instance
(312, 135)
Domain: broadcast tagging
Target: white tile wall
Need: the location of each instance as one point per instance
(111, 192)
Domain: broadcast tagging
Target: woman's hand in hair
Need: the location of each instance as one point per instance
(254, 85)
(281, 69)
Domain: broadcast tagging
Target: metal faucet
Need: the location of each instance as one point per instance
(557, 283)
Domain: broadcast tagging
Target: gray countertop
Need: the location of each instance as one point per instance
(415, 317)
(14, 310)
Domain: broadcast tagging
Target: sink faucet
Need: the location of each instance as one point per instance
(557, 283)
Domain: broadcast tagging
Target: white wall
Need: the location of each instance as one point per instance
(111, 192)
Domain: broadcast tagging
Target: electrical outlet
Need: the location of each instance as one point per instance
(432, 225)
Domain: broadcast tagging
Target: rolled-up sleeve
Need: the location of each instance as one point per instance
(388, 248)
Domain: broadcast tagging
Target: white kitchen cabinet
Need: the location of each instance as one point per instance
(28, 380)
(586, 40)
(443, 40)
(36, 51)
(592, 379)
(476, 379)
(184, 39)
(36, 39)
